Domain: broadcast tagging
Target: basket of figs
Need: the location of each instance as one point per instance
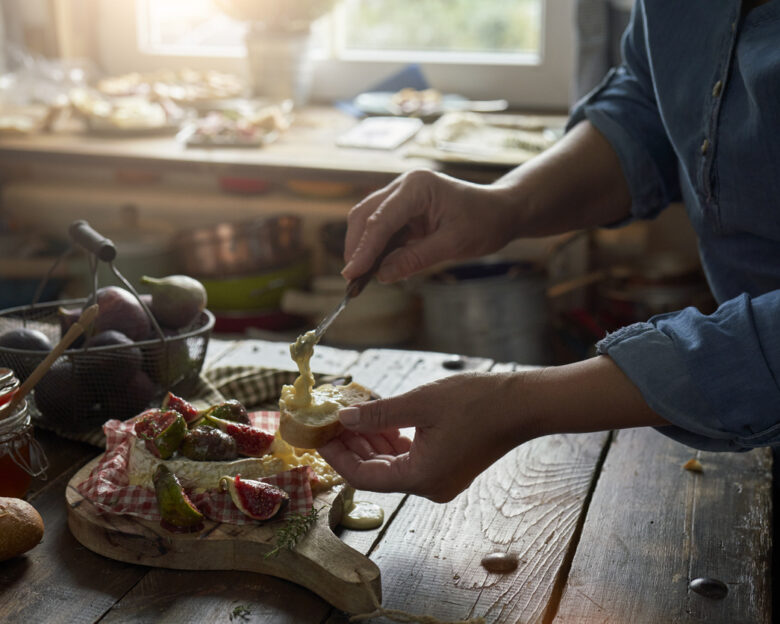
(139, 347)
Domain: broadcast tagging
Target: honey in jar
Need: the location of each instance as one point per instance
(21, 457)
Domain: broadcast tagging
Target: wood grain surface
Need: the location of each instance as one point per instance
(653, 526)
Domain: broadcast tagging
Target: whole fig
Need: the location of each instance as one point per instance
(177, 300)
(23, 339)
(208, 444)
(111, 366)
(120, 310)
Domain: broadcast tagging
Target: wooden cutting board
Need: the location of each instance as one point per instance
(320, 562)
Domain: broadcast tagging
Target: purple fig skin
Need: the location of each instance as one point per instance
(68, 316)
(120, 310)
(177, 300)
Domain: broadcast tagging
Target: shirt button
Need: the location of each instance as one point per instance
(717, 89)
(705, 146)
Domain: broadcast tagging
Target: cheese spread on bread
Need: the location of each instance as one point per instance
(300, 393)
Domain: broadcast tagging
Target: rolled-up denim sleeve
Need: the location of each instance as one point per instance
(624, 109)
(714, 377)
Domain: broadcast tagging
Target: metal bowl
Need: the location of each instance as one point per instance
(239, 248)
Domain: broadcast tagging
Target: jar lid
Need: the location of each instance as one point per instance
(7, 377)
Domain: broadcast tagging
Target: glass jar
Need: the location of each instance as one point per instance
(21, 456)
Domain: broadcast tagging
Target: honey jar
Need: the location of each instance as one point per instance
(21, 456)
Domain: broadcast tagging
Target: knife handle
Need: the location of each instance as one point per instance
(356, 286)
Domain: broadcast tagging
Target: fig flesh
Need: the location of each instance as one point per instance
(161, 430)
(120, 310)
(208, 444)
(256, 499)
(250, 441)
(231, 410)
(177, 300)
(185, 408)
(178, 513)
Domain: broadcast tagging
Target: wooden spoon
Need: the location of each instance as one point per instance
(80, 326)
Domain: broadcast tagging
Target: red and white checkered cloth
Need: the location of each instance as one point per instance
(107, 486)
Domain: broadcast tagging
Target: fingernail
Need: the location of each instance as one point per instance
(347, 267)
(349, 416)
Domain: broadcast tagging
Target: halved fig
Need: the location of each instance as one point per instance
(161, 430)
(208, 444)
(184, 407)
(231, 410)
(250, 441)
(178, 513)
(256, 499)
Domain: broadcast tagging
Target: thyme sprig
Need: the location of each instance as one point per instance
(241, 612)
(294, 528)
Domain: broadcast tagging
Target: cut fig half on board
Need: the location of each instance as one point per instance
(161, 430)
(179, 514)
(250, 441)
(184, 407)
(256, 499)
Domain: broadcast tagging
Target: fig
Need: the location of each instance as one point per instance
(161, 430)
(67, 317)
(177, 300)
(256, 499)
(120, 310)
(250, 441)
(122, 402)
(231, 410)
(23, 339)
(63, 399)
(185, 408)
(208, 444)
(179, 515)
(110, 366)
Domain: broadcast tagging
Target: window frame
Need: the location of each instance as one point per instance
(542, 83)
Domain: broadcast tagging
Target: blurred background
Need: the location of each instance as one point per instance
(228, 139)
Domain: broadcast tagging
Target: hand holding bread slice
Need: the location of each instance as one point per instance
(312, 425)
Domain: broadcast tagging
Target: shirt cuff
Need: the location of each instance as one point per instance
(650, 360)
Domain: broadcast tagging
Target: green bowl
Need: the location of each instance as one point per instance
(259, 291)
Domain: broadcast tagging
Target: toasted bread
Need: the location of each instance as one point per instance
(312, 426)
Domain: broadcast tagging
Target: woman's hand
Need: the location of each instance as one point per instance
(448, 219)
(466, 422)
(463, 424)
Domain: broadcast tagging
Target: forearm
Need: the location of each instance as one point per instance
(578, 183)
(592, 395)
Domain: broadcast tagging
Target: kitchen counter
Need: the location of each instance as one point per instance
(608, 527)
(306, 150)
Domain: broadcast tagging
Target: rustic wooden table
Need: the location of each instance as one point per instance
(608, 527)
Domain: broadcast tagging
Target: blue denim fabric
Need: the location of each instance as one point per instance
(694, 115)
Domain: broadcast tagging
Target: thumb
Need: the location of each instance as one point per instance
(379, 415)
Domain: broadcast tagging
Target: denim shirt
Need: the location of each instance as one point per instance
(694, 115)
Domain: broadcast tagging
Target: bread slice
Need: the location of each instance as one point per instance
(312, 426)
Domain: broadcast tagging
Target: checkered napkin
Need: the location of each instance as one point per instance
(107, 486)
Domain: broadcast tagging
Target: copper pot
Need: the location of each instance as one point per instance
(239, 248)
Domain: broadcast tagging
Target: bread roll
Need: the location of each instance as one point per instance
(21, 527)
(313, 425)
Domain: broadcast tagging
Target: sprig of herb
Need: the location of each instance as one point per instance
(295, 527)
(241, 612)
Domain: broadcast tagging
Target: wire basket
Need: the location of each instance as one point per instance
(88, 385)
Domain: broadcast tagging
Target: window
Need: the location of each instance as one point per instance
(520, 50)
